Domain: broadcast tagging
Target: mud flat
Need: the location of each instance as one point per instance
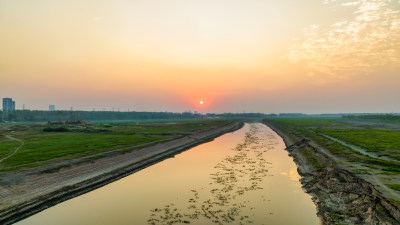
(31, 193)
(341, 196)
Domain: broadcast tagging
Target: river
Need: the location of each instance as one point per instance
(243, 177)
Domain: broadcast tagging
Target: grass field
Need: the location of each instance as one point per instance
(379, 141)
(367, 147)
(305, 122)
(7, 146)
(93, 140)
(376, 138)
(373, 140)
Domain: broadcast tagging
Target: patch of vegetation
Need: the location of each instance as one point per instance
(394, 201)
(361, 171)
(389, 173)
(336, 216)
(313, 161)
(74, 145)
(371, 140)
(377, 118)
(381, 162)
(303, 121)
(8, 146)
(371, 166)
(391, 169)
(55, 129)
(341, 179)
(394, 186)
(381, 209)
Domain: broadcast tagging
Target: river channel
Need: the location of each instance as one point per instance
(243, 177)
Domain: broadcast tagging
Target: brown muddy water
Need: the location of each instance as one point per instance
(244, 177)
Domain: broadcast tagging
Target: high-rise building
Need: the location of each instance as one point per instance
(52, 108)
(8, 105)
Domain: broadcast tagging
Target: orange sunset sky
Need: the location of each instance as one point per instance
(310, 56)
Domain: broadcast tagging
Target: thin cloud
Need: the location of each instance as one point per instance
(368, 40)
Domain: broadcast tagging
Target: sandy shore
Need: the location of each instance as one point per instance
(35, 192)
(341, 197)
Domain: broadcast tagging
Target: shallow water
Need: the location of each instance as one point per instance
(244, 177)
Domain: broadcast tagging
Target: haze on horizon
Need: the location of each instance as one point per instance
(322, 56)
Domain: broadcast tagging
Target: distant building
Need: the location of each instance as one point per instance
(52, 108)
(8, 105)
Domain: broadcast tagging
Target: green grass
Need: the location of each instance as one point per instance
(396, 202)
(367, 134)
(8, 146)
(162, 126)
(93, 141)
(52, 146)
(392, 169)
(381, 209)
(361, 171)
(394, 186)
(333, 146)
(156, 121)
(387, 119)
(304, 121)
(383, 142)
(313, 161)
(372, 140)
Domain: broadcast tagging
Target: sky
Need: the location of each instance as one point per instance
(309, 56)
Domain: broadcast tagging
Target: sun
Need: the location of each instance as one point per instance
(201, 102)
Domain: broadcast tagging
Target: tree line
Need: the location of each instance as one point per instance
(62, 116)
(385, 117)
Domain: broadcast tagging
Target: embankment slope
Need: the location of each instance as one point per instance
(38, 191)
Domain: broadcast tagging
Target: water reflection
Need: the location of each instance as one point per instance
(244, 177)
(226, 201)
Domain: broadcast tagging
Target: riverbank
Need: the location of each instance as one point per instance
(341, 196)
(36, 192)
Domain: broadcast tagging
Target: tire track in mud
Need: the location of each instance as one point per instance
(224, 201)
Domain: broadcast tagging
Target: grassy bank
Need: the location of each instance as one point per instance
(46, 143)
(369, 147)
